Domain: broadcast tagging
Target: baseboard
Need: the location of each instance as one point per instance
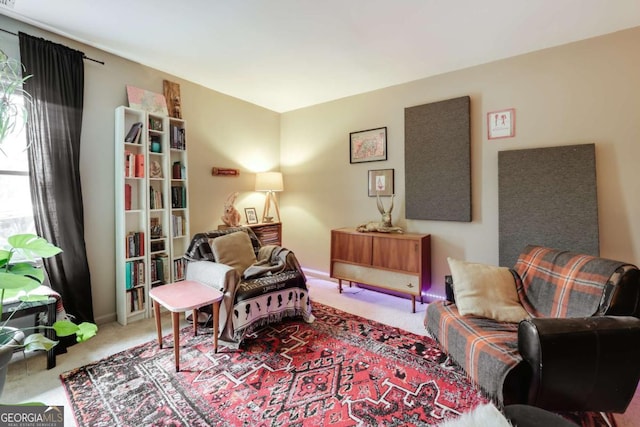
(317, 273)
(107, 318)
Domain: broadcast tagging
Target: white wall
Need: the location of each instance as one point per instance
(578, 93)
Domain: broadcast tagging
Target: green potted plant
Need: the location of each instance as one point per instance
(20, 278)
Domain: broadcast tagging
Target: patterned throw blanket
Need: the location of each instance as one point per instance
(272, 289)
(561, 284)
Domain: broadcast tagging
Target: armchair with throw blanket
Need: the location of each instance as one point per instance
(261, 284)
(560, 330)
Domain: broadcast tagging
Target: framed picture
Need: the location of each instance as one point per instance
(150, 102)
(501, 124)
(381, 182)
(252, 215)
(368, 145)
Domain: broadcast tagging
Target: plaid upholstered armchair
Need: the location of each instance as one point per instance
(572, 342)
(261, 284)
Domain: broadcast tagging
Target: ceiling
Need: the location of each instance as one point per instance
(288, 54)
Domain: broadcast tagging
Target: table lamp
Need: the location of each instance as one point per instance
(269, 182)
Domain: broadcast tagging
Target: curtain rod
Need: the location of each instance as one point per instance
(83, 55)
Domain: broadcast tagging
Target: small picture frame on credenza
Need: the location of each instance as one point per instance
(380, 182)
(252, 215)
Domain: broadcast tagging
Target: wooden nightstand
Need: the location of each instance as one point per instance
(269, 233)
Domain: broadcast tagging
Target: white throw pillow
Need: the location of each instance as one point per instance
(486, 291)
(235, 250)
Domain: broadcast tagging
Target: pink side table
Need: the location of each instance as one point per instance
(183, 296)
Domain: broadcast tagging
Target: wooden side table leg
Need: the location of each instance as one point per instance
(339, 285)
(194, 316)
(156, 313)
(216, 325)
(175, 322)
(413, 303)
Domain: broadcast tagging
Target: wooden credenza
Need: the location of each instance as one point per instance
(395, 262)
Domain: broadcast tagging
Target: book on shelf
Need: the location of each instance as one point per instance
(129, 164)
(128, 275)
(139, 168)
(133, 136)
(134, 244)
(178, 197)
(178, 171)
(136, 299)
(134, 274)
(178, 226)
(156, 198)
(177, 138)
(178, 269)
(141, 299)
(127, 197)
(157, 245)
(160, 269)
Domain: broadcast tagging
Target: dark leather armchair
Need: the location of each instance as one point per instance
(590, 363)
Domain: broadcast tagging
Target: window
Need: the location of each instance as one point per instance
(16, 213)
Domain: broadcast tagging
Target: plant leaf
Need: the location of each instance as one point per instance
(86, 331)
(27, 269)
(34, 245)
(4, 257)
(64, 328)
(15, 281)
(38, 342)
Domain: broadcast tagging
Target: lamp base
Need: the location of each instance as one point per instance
(267, 206)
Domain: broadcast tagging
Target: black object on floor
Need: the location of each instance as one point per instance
(531, 416)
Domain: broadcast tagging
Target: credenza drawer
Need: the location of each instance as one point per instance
(392, 280)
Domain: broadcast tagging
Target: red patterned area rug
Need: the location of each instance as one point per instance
(341, 370)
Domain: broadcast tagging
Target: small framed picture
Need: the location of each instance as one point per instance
(381, 182)
(252, 215)
(501, 124)
(368, 145)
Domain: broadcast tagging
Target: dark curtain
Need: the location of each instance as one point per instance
(53, 132)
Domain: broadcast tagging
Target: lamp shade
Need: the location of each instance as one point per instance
(269, 181)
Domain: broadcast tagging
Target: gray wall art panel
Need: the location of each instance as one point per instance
(547, 197)
(438, 160)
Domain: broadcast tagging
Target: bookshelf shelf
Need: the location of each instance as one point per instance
(151, 178)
